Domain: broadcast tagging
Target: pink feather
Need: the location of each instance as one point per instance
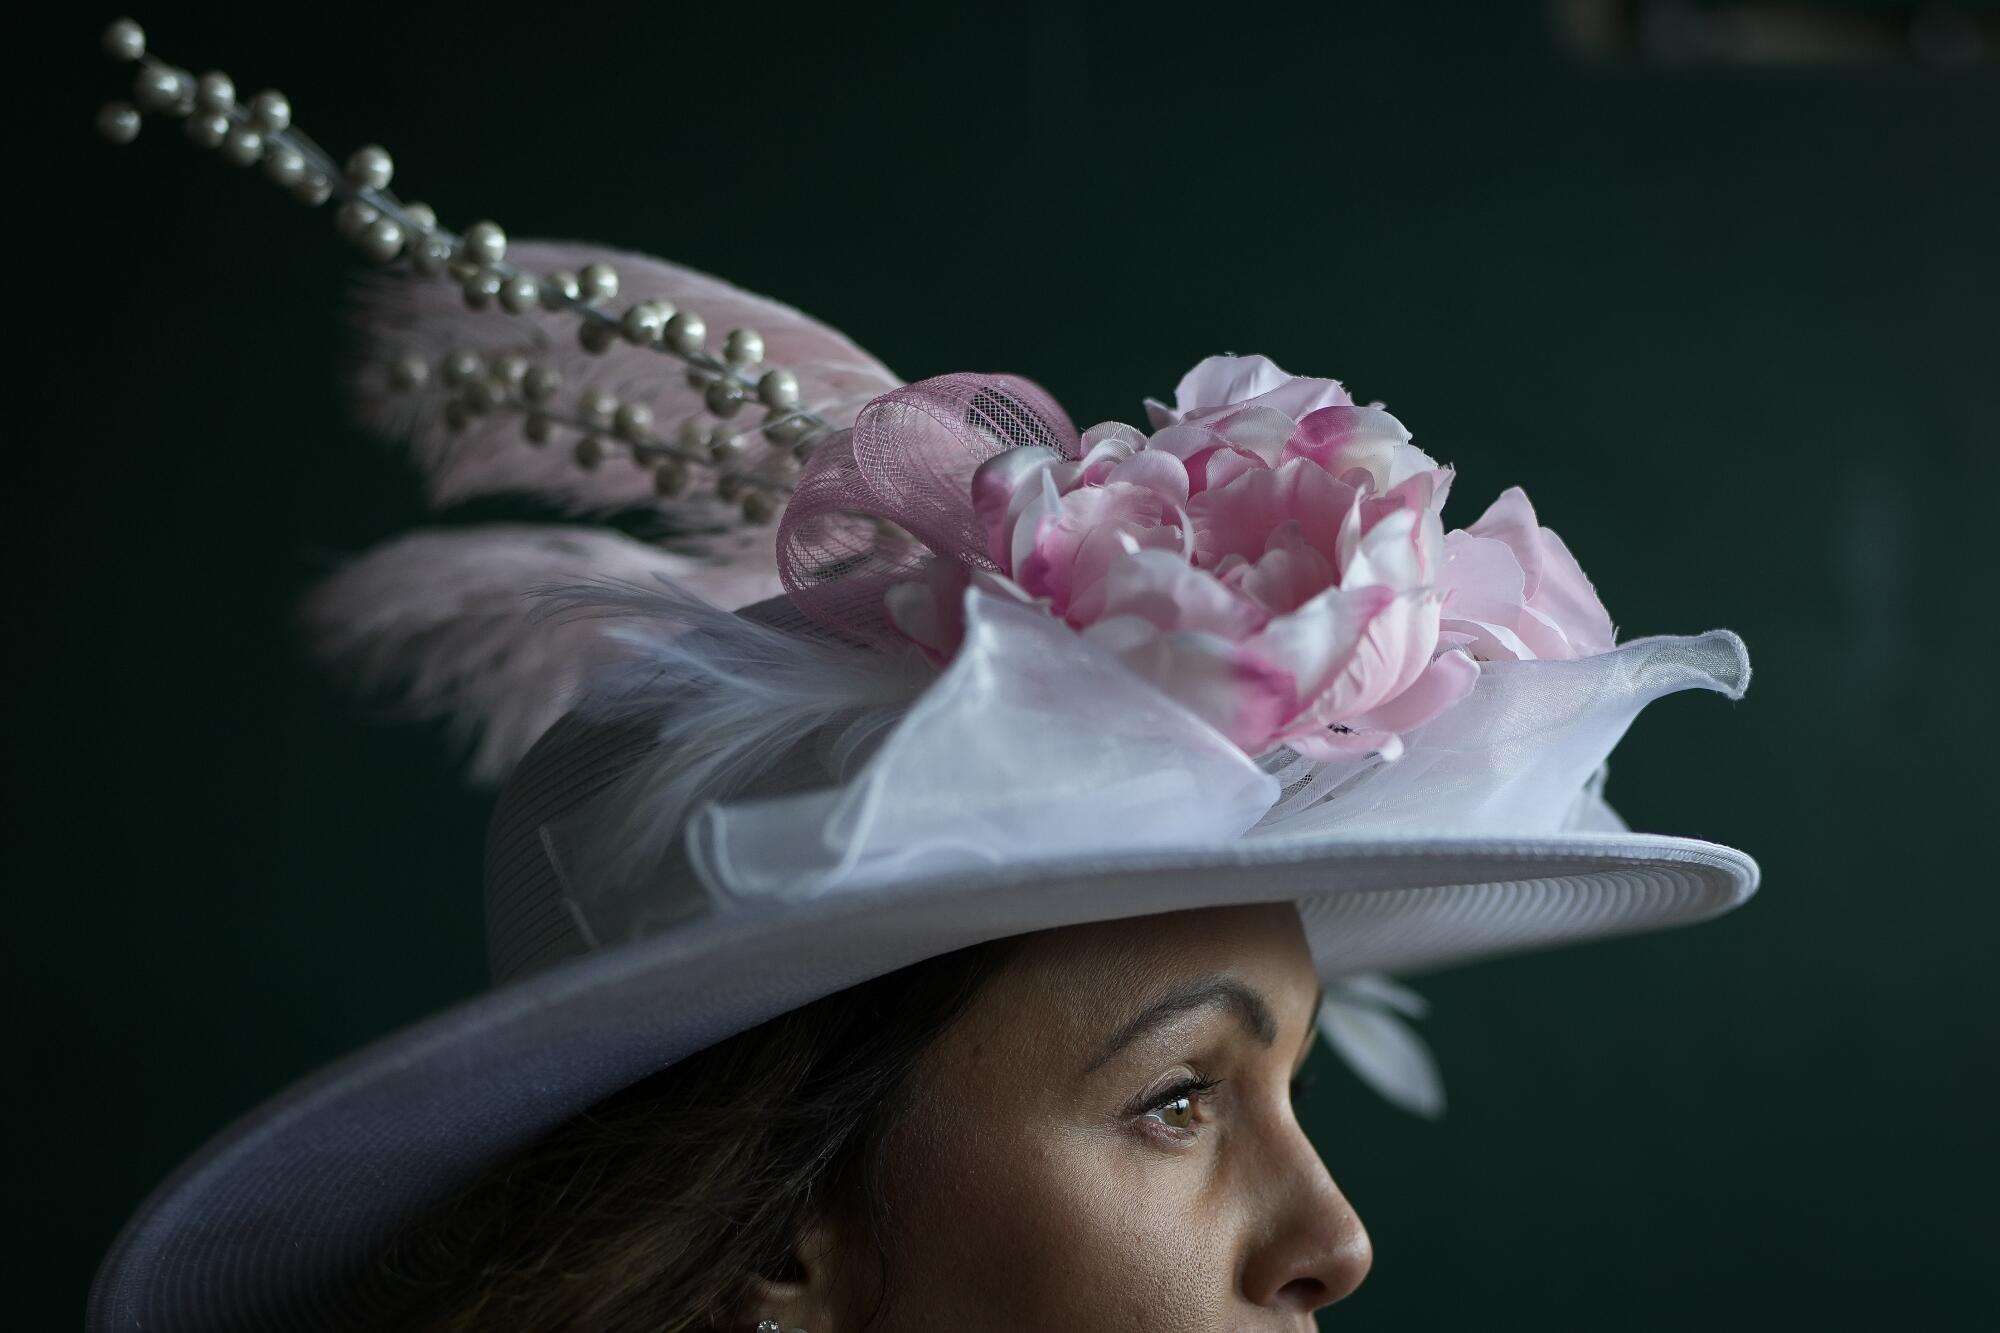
(441, 620)
(402, 314)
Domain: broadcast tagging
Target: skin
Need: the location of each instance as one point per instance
(1056, 1171)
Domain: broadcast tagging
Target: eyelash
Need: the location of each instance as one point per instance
(1197, 1088)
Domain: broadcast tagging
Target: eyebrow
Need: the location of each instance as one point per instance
(1208, 993)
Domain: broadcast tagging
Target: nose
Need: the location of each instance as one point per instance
(1317, 1251)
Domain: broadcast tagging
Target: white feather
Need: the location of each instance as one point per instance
(1383, 1049)
(401, 314)
(441, 621)
(726, 701)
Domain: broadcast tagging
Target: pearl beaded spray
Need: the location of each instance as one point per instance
(709, 450)
(579, 375)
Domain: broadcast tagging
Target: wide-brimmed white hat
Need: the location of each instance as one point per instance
(1488, 836)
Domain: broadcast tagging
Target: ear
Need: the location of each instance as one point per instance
(812, 1292)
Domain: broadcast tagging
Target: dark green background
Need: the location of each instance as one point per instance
(1733, 330)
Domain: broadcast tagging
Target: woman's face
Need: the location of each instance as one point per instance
(1106, 1141)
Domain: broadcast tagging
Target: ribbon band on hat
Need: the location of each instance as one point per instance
(909, 461)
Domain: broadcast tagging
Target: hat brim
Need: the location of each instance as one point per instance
(275, 1223)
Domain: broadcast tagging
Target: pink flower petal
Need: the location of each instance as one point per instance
(1222, 381)
(1239, 517)
(1208, 674)
(1000, 486)
(1568, 600)
(1289, 572)
(1164, 590)
(1260, 432)
(1396, 639)
(1161, 473)
(1101, 550)
(1316, 643)
(1399, 551)
(1061, 531)
(1560, 615)
(1104, 447)
(1448, 679)
(1343, 438)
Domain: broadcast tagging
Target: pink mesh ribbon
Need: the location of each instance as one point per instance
(875, 501)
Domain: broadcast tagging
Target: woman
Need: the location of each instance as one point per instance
(1081, 1128)
(933, 944)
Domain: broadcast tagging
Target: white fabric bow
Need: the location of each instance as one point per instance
(1036, 746)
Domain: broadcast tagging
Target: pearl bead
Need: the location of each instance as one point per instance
(481, 288)
(596, 335)
(313, 190)
(118, 122)
(541, 383)
(370, 168)
(633, 421)
(692, 437)
(728, 486)
(779, 389)
(724, 447)
(157, 88)
(463, 366)
(561, 287)
(723, 398)
(271, 111)
(214, 91)
(485, 242)
(284, 165)
(538, 428)
(520, 294)
(383, 241)
(421, 216)
(125, 40)
(483, 395)
(353, 218)
(597, 408)
(511, 368)
(685, 333)
(744, 348)
(207, 130)
(758, 507)
(670, 478)
(642, 323)
(591, 450)
(599, 282)
(782, 429)
(242, 148)
(412, 372)
(431, 256)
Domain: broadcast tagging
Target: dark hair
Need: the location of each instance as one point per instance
(659, 1207)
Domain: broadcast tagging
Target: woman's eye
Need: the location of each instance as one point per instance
(1178, 1106)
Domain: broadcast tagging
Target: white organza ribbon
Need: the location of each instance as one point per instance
(1033, 745)
(1517, 756)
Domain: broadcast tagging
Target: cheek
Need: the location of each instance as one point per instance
(1058, 1228)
